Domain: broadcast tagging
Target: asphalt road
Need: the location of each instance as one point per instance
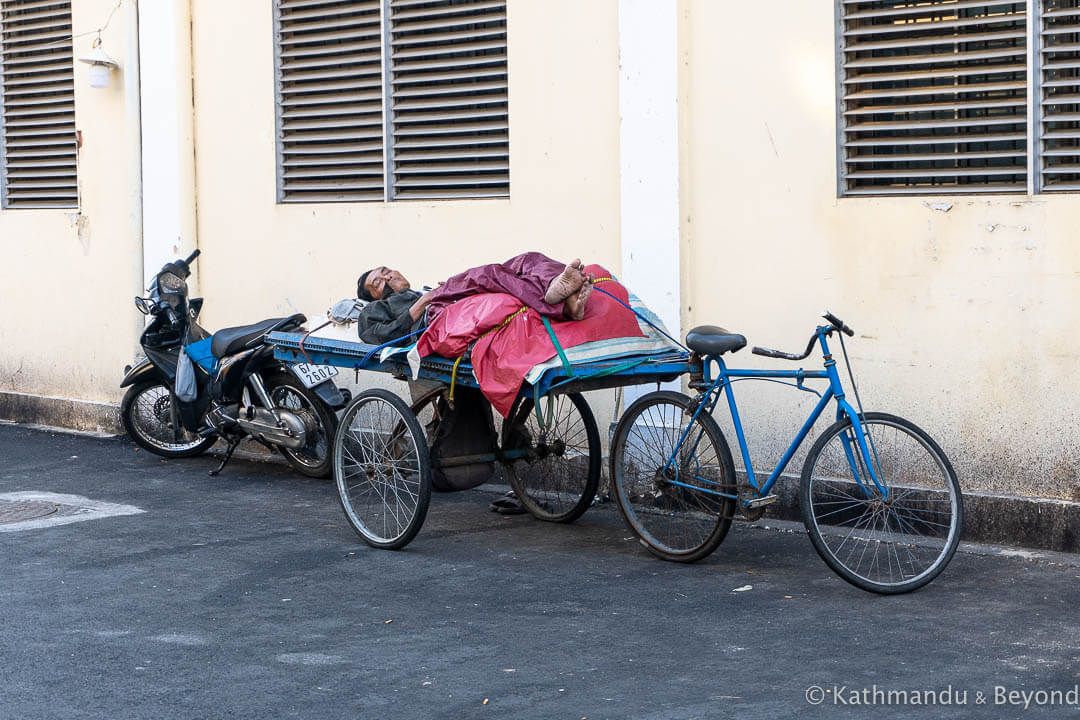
(248, 596)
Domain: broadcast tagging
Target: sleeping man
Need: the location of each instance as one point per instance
(394, 309)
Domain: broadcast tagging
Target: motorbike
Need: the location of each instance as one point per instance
(193, 387)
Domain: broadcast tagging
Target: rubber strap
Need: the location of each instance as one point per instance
(303, 352)
(558, 348)
(393, 342)
(643, 319)
(602, 373)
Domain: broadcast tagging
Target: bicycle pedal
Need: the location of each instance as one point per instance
(760, 501)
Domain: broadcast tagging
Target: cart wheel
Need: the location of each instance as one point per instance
(557, 477)
(382, 469)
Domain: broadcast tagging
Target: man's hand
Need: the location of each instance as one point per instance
(417, 308)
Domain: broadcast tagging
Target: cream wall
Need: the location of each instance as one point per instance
(954, 308)
(262, 258)
(966, 319)
(67, 277)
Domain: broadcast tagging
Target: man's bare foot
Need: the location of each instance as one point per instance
(566, 283)
(574, 308)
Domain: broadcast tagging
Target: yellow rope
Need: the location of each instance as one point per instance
(504, 323)
(520, 311)
(453, 377)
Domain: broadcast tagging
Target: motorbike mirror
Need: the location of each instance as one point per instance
(140, 303)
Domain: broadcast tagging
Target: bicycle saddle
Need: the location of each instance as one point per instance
(712, 340)
(231, 340)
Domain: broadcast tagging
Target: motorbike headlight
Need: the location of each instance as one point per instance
(172, 283)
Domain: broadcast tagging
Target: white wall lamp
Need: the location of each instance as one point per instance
(101, 65)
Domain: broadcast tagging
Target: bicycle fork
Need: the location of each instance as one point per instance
(861, 456)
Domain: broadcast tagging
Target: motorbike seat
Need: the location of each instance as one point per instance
(232, 340)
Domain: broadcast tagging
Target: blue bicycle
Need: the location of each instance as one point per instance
(878, 496)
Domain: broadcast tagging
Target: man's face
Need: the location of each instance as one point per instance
(383, 277)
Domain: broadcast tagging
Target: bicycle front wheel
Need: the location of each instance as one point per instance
(883, 542)
(673, 480)
(382, 469)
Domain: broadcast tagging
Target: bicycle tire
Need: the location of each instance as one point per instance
(559, 483)
(382, 469)
(674, 522)
(888, 546)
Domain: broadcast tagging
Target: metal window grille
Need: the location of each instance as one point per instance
(933, 97)
(386, 99)
(451, 133)
(37, 105)
(1059, 97)
(330, 122)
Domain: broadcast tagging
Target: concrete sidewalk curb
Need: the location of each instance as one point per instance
(983, 549)
(57, 412)
(1008, 520)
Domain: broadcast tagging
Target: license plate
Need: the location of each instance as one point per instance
(312, 375)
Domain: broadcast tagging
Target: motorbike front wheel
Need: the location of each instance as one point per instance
(147, 414)
(314, 458)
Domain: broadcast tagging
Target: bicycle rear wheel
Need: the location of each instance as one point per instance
(681, 511)
(891, 544)
(382, 469)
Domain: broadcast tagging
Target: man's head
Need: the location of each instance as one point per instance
(374, 284)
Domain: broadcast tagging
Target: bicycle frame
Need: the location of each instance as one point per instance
(861, 464)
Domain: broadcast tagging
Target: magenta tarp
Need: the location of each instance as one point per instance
(503, 354)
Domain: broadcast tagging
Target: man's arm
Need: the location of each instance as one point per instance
(379, 324)
(417, 308)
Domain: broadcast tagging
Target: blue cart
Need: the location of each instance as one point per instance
(880, 500)
(385, 450)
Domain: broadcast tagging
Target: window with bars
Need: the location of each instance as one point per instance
(1058, 110)
(958, 96)
(37, 105)
(391, 99)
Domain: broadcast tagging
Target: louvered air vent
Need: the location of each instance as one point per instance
(330, 89)
(449, 99)
(37, 102)
(1059, 147)
(387, 99)
(934, 97)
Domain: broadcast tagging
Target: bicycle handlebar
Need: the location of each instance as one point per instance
(838, 323)
(769, 352)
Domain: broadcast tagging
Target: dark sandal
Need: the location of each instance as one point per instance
(508, 505)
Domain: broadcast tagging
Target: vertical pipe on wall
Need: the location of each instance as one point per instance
(133, 146)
